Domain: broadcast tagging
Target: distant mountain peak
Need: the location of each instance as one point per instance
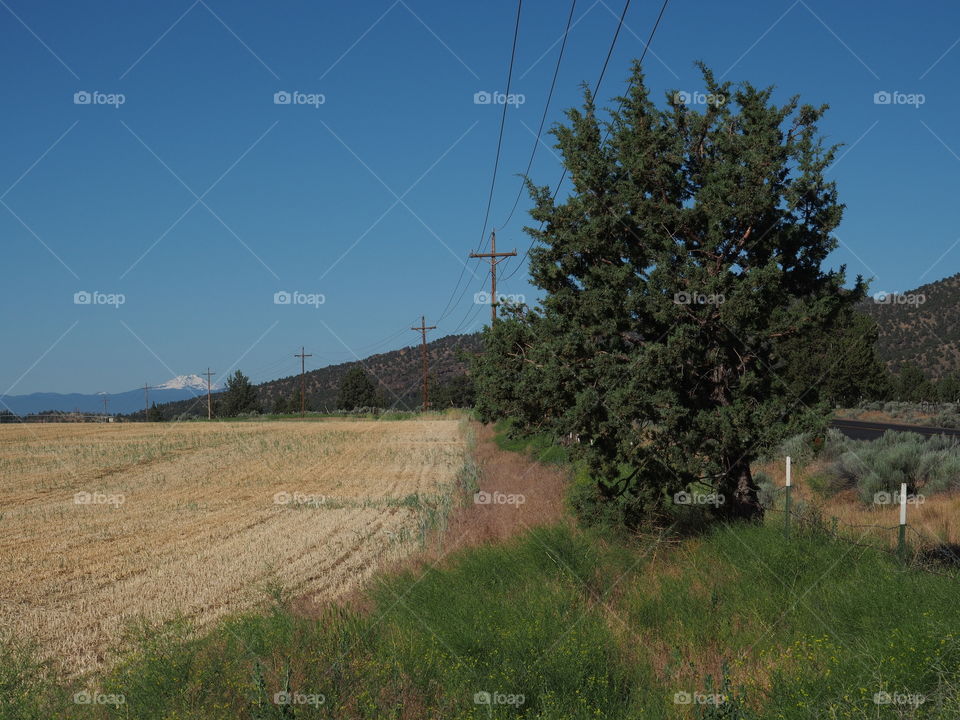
(184, 382)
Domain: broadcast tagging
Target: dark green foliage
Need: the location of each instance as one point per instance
(948, 388)
(839, 366)
(154, 414)
(911, 385)
(685, 260)
(287, 404)
(456, 392)
(357, 390)
(239, 397)
(509, 381)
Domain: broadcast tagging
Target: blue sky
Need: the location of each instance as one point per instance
(198, 198)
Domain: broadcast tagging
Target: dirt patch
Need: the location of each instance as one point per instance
(536, 490)
(523, 494)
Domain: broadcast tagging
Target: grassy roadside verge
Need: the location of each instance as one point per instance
(562, 623)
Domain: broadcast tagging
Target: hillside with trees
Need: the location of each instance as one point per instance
(920, 327)
(396, 375)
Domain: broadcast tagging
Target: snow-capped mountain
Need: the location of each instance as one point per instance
(182, 382)
(182, 387)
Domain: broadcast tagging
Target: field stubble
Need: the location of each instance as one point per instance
(105, 526)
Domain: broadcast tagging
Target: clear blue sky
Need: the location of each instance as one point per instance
(304, 198)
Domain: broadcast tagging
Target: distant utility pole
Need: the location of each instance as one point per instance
(303, 355)
(146, 399)
(106, 402)
(495, 259)
(426, 372)
(209, 373)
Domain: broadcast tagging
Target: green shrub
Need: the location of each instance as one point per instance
(926, 465)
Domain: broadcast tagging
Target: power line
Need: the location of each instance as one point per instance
(503, 122)
(475, 309)
(543, 118)
(493, 180)
(596, 88)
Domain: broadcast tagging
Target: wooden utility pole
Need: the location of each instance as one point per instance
(303, 355)
(106, 402)
(495, 259)
(423, 352)
(208, 373)
(146, 399)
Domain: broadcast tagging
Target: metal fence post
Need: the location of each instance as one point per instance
(786, 514)
(902, 531)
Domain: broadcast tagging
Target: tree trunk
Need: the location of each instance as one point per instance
(741, 500)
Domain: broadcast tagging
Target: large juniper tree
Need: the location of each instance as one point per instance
(689, 249)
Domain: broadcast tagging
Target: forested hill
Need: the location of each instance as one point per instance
(920, 326)
(397, 373)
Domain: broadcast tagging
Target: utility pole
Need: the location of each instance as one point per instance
(209, 373)
(495, 259)
(106, 403)
(303, 355)
(146, 399)
(423, 352)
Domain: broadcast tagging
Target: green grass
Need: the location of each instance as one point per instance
(540, 447)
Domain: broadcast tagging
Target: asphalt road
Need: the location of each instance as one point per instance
(862, 430)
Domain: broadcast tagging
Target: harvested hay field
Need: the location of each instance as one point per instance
(106, 526)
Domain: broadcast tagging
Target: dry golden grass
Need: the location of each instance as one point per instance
(199, 520)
